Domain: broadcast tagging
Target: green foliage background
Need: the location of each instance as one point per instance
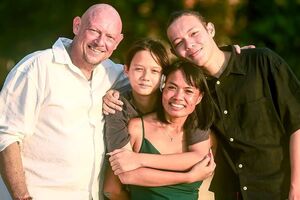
(31, 25)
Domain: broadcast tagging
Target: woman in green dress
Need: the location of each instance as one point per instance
(187, 107)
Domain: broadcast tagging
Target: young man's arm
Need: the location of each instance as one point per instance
(12, 172)
(295, 165)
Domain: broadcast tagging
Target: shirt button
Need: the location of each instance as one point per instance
(218, 82)
(231, 139)
(245, 188)
(225, 112)
(240, 166)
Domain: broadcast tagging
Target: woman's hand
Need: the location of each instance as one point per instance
(203, 169)
(124, 160)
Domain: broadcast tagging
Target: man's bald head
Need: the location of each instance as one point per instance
(103, 9)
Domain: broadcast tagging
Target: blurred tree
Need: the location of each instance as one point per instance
(274, 24)
(31, 25)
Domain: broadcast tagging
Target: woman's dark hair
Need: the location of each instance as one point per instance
(156, 49)
(204, 114)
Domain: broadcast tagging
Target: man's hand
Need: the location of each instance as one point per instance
(294, 193)
(111, 102)
(124, 160)
(238, 48)
(203, 169)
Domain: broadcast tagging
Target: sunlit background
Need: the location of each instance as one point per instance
(30, 25)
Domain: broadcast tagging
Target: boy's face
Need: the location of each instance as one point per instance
(191, 40)
(144, 73)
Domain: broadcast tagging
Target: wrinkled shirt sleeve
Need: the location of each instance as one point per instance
(285, 88)
(116, 126)
(18, 107)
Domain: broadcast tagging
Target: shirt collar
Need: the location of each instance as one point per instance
(60, 52)
(233, 66)
(62, 56)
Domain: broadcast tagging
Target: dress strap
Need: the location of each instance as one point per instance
(143, 126)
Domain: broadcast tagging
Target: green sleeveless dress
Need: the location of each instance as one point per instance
(172, 192)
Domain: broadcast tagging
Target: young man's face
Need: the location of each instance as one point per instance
(191, 40)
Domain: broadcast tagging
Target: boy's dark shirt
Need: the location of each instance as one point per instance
(258, 98)
(116, 132)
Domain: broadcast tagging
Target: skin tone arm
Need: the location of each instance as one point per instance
(119, 159)
(146, 176)
(295, 166)
(113, 188)
(152, 177)
(11, 169)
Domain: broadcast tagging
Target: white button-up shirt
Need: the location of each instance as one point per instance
(55, 113)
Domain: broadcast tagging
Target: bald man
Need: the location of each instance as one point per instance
(51, 126)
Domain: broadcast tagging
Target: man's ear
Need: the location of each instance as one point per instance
(210, 29)
(119, 39)
(76, 25)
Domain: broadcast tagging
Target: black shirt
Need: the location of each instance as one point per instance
(258, 98)
(116, 130)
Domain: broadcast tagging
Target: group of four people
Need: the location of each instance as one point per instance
(51, 129)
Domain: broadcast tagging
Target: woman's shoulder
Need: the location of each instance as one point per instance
(140, 122)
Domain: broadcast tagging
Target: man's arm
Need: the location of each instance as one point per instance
(295, 165)
(12, 172)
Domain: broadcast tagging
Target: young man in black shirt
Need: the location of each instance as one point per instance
(258, 126)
